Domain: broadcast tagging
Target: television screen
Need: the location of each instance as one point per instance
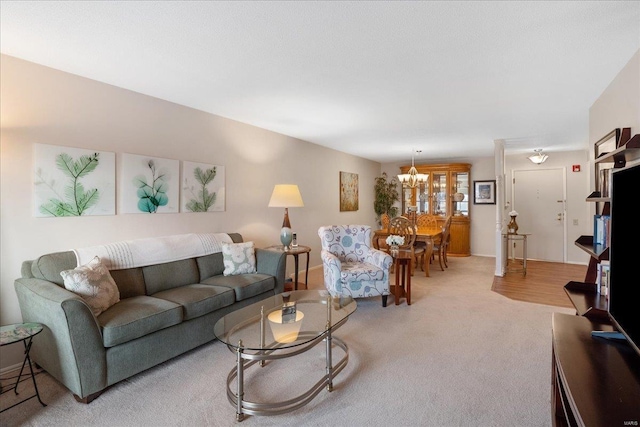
(624, 275)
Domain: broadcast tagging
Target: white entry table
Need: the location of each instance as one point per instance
(511, 264)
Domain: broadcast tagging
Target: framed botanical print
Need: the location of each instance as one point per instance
(484, 192)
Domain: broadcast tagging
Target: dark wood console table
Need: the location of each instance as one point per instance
(594, 382)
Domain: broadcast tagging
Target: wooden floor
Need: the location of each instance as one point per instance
(543, 284)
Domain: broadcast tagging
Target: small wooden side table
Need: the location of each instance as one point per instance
(402, 288)
(295, 251)
(24, 332)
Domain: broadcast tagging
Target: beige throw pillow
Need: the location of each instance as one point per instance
(238, 258)
(94, 284)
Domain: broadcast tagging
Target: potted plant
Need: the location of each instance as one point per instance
(386, 195)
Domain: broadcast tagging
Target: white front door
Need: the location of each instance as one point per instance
(539, 199)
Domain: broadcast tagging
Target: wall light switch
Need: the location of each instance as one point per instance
(575, 222)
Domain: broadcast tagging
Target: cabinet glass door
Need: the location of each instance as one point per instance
(440, 190)
(460, 193)
(422, 197)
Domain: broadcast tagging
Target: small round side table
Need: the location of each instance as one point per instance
(295, 251)
(11, 334)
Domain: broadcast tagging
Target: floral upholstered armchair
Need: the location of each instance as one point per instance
(351, 266)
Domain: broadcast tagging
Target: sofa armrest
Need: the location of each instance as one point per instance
(273, 263)
(70, 347)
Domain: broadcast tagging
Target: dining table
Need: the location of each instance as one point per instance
(428, 235)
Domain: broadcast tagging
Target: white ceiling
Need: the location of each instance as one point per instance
(374, 79)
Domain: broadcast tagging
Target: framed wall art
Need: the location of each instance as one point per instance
(73, 181)
(202, 187)
(484, 192)
(149, 184)
(348, 191)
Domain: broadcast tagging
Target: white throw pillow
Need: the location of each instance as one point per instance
(94, 284)
(238, 258)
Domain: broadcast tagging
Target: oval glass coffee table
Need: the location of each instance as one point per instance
(257, 334)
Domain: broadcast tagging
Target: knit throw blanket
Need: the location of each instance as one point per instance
(153, 250)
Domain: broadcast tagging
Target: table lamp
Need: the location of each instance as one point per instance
(285, 332)
(286, 196)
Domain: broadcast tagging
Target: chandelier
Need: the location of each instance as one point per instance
(413, 178)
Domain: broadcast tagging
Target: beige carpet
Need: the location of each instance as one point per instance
(460, 355)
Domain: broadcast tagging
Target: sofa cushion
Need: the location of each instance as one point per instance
(94, 284)
(130, 282)
(198, 299)
(210, 265)
(245, 285)
(134, 317)
(161, 277)
(48, 267)
(238, 258)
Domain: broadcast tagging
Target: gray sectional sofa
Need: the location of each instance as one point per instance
(164, 311)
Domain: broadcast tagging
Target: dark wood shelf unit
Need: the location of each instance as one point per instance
(628, 148)
(594, 382)
(587, 301)
(625, 153)
(595, 197)
(599, 252)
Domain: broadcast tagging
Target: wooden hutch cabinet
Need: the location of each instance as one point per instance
(446, 192)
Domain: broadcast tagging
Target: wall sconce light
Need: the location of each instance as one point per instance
(286, 196)
(413, 178)
(538, 158)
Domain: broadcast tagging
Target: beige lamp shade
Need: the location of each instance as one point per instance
(285, 332)
(286, 196)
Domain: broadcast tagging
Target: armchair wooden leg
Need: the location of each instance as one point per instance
(384, 300)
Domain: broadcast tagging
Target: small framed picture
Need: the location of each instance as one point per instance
(294, 240)
(484, 192)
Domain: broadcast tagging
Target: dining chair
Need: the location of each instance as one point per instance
(402, 226)
(426, 220)
(441, 245)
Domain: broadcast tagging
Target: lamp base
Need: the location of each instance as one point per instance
(286, 237)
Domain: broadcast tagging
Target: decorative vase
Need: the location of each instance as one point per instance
(512, 227)
(394, 250)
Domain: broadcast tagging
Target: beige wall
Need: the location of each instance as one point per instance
(43, 105)
(619, 104)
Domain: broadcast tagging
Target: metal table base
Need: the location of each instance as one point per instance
(246, 360)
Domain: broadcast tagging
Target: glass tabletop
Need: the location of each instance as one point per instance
(259, 326)
(18, 332)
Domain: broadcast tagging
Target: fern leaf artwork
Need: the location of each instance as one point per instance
(202, 187)
(73, 181)
(153, 194)
(152, 184)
